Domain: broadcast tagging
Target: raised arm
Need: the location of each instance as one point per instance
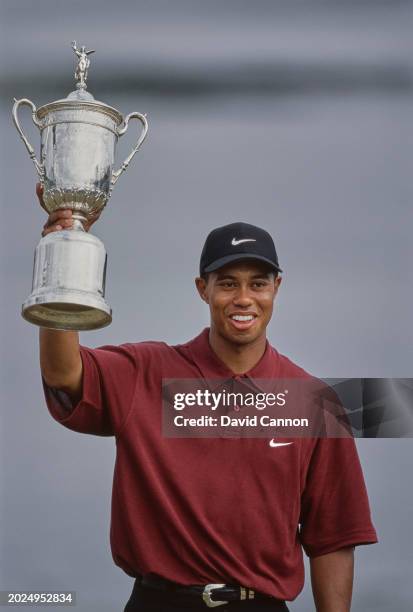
(332, 580)
(60, 361)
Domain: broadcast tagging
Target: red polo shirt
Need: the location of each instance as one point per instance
(225, 510)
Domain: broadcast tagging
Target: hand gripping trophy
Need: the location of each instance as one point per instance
(78, 141)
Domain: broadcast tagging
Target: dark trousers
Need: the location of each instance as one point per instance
(144, 599)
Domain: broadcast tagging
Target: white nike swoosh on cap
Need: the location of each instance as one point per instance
(275, 444)
(234, 241)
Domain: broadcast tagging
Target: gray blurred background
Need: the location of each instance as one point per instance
(293, 115)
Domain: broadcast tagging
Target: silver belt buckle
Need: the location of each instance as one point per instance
(206, 595)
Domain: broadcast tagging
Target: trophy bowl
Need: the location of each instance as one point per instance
(76, 169)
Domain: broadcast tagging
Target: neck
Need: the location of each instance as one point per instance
(239, 358)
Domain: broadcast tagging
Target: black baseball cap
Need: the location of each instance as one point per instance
(234, 242)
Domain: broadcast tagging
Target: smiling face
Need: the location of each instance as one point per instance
(240, 298)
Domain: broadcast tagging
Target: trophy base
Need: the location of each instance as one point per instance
(67, 310)
(68, 283)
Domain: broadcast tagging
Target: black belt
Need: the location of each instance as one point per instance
(212, 594)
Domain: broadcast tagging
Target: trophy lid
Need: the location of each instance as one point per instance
(80, 98)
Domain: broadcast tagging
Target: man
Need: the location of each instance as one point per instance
(219, 521)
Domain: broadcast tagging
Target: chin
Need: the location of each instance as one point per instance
(242, 338)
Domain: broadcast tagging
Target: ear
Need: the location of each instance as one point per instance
(201, 287)
(277, 283)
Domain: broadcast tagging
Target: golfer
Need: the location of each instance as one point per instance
(213, 522)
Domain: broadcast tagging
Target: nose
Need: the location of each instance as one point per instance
(242, 298)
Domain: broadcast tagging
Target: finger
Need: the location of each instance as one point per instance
(58, 215)
(58, 225)
(53, 228)
(63, 224)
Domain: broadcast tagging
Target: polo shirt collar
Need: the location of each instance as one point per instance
(212, 368)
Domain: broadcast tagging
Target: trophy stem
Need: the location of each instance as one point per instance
(78, 221)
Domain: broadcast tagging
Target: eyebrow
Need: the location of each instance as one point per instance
(262, 275)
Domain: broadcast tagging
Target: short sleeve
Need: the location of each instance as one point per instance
(335, 510)
(108, 386)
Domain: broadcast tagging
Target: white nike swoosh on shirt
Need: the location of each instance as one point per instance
(234, 241)
(275, 444)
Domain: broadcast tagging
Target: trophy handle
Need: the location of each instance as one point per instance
(142, 119)
(17, 103)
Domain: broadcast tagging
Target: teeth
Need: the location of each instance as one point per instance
(242, 317)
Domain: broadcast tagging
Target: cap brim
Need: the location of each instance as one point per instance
(223, 261)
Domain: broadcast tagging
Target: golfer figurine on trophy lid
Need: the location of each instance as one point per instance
(78, 141)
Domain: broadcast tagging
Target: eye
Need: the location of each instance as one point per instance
(227, 284)
(259, 284)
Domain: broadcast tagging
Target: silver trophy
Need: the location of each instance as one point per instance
(78, 141)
